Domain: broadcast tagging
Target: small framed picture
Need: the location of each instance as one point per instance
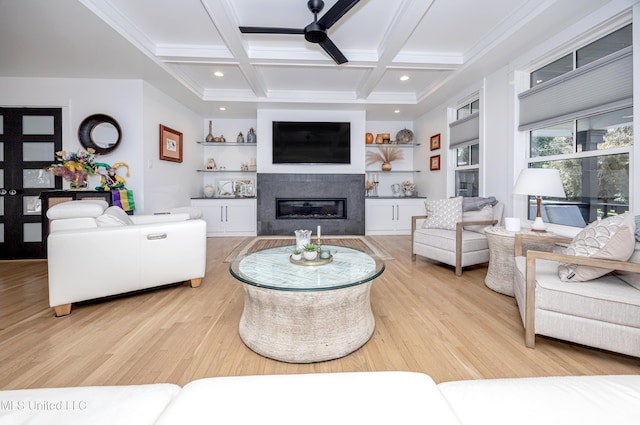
(170, 144)
(435, 142)
(434, 163)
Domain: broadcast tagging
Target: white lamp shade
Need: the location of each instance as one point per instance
(539, 182)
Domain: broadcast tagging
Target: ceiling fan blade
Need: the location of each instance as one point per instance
(270, 30)
(336, 12)
(333, 51)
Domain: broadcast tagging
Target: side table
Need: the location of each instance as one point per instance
(501, 256)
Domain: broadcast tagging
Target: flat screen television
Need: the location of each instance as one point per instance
(311, 142)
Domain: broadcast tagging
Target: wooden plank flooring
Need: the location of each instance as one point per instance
(427, 320)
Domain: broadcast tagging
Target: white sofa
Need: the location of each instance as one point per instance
(96, 251)
(335, 398)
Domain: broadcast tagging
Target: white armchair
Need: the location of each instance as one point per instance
(462, 244)
(96, 251)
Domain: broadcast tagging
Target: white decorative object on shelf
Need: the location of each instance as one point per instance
(209, 191)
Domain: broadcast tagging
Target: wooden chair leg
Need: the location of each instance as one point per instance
(62, 310)
(195, 283)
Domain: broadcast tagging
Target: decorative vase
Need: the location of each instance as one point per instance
(210, 135)
(209, 191)
(303, 237)
(386, 166)
(78, 185)
(369, 138)
(310, 255)
(379, 139)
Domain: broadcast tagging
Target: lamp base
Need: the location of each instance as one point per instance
(538, 225)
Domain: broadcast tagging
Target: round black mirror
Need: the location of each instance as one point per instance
(100, 132)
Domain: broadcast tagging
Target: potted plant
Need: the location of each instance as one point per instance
(310, 252)
(297, 254)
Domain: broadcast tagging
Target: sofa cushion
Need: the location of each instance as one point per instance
(126, 404)
(317, 398)
(446, 239)
(77, 209)
(443, 213)
(606, 299)
(114, 217)
(483, 214)
(611, 239)
(584, 400)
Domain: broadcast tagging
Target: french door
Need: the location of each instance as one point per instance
(29, 139)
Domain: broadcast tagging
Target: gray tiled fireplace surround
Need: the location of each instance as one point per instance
(271, 186)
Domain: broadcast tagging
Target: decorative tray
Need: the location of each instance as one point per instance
(317, 262)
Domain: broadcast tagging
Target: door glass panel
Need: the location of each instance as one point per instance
(1, 124)
(1, 206)
(37, 178)
(31, 205)
(37, 124)
(1, 232)
(1, 178)
(32, 232)
(1, 151)
(39, 151)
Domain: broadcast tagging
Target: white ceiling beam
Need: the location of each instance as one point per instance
(222, 17)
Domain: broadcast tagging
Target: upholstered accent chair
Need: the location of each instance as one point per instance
(96, 251)
(587, 291)
(452, 231)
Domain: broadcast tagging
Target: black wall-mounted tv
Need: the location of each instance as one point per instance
(311, 142)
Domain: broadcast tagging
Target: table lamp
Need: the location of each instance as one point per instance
(539, 182)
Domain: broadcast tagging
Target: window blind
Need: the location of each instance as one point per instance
(598, 87)
(465, 131)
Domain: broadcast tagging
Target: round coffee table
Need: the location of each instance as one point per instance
(304, 314)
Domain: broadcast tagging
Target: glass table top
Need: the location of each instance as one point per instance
(271, 268)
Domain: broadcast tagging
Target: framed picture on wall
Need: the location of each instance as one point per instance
(170, 144)
(435, 142)
(434, 163)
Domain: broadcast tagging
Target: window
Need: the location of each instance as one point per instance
(587, 138)
(465, 139)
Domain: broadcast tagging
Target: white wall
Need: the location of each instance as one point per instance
(79, 98)
(265, 149)
(502, 152)
(169, 184)
(139, 108)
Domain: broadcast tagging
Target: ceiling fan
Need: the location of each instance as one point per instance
(316, 31)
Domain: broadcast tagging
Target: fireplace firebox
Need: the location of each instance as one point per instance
(310, 208)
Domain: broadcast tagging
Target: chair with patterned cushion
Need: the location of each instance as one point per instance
(452, 231)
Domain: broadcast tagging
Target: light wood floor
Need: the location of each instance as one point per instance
(427, 320)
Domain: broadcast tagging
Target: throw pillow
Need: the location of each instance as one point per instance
(638, 228)
(112, 217)
(484, 214)
(611, 239)
(443, 213)
(474, 203)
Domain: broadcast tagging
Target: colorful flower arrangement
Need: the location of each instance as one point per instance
(75, 166)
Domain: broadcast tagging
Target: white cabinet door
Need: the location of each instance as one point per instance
(228, 217)
(406, 209)
(380, 216)
(391, 216)
(240, 217)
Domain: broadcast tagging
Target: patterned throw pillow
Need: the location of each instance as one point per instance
(611, 239)
(443, 213)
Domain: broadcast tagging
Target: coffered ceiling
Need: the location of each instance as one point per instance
(178, 45)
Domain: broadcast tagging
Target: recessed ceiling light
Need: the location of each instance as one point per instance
(222, 108)
(219, 74)
(397, 111)
(404, 78)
